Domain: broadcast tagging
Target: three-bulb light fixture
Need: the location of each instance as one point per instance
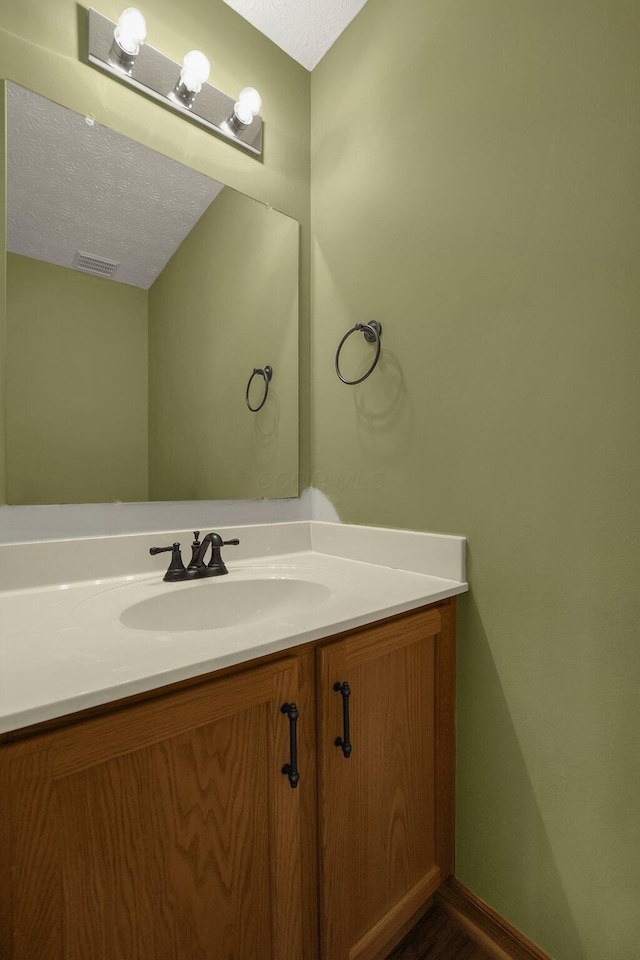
(185, 88)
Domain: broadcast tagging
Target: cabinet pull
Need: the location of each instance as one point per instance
(291, 769)
(344, 742)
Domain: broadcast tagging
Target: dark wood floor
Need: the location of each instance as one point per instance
(437, 937)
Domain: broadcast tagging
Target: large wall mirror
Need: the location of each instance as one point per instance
(141, 296)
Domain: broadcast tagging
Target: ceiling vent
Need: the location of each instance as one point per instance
(96, 265)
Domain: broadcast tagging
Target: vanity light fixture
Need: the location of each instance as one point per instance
(119, 49)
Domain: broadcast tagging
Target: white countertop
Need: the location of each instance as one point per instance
(65, 647)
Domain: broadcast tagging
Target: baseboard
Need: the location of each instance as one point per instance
(491, 931)
(378, 940)
(406, 928)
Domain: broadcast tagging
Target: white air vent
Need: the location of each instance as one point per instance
(97, 265)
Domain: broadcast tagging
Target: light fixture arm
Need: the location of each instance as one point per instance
(152, 73)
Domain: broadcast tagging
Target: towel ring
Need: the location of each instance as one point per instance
(267, 373)
(372, 332)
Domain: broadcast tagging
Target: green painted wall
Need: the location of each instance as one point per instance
(42, 48)
(3, 281)
(226, 302)
(475, 188)
(77, 408)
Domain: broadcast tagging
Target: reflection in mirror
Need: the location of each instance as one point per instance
(141, 295)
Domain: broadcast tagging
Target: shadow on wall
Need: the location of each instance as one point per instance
(385, 417)
(500, 830)
(265, 428)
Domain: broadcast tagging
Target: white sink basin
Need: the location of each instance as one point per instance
(219, 603)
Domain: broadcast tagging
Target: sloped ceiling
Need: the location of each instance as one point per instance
(305, 29)
(76, 187)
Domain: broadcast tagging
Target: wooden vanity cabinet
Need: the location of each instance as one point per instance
(165, 829)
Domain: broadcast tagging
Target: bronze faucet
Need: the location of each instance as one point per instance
(197, 567)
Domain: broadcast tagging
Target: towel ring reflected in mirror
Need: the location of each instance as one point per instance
(372, 332)
(267, 374)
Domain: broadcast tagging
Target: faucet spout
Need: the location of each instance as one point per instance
(199, 549)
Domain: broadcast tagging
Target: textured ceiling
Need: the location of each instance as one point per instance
(305, 29)
(72, 186)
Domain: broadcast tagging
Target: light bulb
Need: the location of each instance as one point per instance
(130, 31)
(195, 71)
(243, 113)
(251, 99)
(249, 103)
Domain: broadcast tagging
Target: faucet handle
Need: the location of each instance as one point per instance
(196, 538)
(154, 550)
(216, 566)
(176, 570)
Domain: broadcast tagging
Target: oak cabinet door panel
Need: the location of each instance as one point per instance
(164, 831)
(381, 857)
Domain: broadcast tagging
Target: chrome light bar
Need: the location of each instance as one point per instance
(157, 76)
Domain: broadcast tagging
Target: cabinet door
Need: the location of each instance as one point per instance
(162, 831)
(386, 809)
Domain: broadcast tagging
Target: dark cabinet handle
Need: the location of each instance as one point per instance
(344, 741)
(291, 769)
